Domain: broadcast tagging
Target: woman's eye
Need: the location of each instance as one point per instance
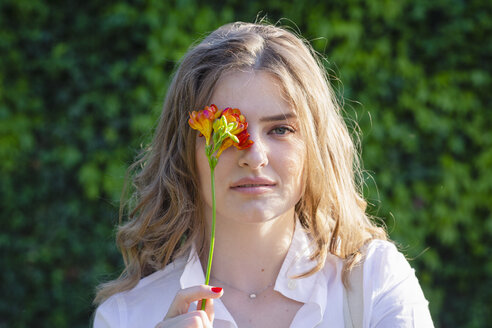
(282, 130)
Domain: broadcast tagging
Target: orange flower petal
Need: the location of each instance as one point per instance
(226, 144)
(244, 141)
(203, 120)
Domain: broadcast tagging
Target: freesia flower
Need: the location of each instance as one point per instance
(203, 120)
(234, 121)
(225, 128)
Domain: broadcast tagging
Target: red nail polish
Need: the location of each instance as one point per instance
(216, 289)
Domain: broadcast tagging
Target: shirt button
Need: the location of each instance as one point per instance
(292, 284)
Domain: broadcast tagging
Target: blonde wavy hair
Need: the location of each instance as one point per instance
(165, 217)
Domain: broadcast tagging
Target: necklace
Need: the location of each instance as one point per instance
(251, 295)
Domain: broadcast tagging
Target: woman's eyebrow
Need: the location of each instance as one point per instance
(280, 117)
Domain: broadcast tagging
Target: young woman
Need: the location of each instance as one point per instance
(294, 246)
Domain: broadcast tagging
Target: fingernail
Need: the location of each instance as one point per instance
(216, 289)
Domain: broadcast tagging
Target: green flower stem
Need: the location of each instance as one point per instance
(212, 235)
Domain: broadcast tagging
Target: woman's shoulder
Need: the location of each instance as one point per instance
(156, 289)
(164, 278)
(382, 259)
(380, 245)
(378, 249)
(392, 294)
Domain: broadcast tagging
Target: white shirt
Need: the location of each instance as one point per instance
(392, 296)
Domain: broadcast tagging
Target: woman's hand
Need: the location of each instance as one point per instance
(178, 315)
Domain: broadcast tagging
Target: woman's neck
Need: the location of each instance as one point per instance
(248, 256)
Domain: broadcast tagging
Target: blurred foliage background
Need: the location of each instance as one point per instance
(82, 83)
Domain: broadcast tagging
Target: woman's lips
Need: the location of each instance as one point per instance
(257, 185)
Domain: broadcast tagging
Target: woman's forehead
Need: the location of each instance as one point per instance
(258, 93)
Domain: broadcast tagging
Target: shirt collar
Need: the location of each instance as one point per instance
(310, 290)
(193, 273)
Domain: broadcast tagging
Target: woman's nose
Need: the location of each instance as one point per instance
(255, 156)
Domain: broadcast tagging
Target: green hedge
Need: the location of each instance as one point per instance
(81, 85)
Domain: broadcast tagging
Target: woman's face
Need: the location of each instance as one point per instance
(264, 181)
